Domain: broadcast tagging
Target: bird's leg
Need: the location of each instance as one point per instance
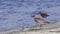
(40, 26)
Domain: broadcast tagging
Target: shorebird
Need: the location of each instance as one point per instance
(44, 15)
(40, 21)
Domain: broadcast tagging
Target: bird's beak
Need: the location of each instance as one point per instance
(31, 16)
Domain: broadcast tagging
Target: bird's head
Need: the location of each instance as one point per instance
(34, 16)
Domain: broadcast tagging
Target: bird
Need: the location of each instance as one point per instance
(44, 15)
(40, 21)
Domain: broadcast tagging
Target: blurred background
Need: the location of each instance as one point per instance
(17, 13)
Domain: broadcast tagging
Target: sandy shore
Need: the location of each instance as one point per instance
(50, 31)
(47, 29)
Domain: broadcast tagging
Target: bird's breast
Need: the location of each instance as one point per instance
(40, 21)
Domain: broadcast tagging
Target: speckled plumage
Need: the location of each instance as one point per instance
(40, 20)
(44, 15)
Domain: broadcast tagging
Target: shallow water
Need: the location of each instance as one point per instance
(17, 13)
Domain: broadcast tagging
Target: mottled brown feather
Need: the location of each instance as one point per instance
(44, 15)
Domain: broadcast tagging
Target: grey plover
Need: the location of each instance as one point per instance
(44, 15)
(40, 21)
